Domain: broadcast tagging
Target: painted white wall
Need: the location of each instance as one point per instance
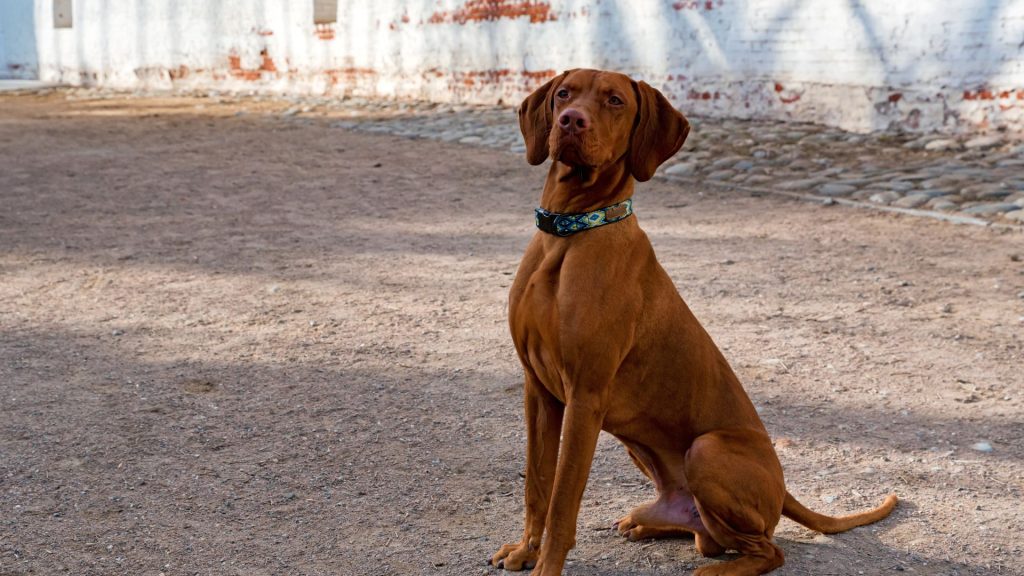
(949, 65)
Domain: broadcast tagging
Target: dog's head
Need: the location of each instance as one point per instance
(593, 119)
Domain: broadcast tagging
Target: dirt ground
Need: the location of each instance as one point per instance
(247, 345)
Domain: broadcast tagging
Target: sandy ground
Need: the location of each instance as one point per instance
(244, 345)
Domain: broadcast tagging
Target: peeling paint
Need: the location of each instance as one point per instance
(324, 31)
(491, 10)
(698, 5)
(987, 94)
(251, 74)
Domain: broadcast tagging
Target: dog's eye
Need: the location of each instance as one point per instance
(615, 101)
(563, 94)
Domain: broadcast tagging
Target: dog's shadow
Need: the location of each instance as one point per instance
(863, 550)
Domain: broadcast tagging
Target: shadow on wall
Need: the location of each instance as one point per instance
(18, 56)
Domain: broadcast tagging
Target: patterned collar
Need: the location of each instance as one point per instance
(569, 224)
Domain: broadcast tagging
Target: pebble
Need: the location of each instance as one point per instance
(900, 185)
(942, 145)
(727, 162)
(912, 201)
(943, 204)
(884, 197)
(1015, 215)
(983, 142)
(800, 184)
(990, 209)
(833, 189)
(920, 143)
(682, 169)
(982, 447)
(982, 190)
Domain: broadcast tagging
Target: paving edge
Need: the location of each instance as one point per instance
(953, 218)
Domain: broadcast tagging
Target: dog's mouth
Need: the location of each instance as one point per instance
(570, 151)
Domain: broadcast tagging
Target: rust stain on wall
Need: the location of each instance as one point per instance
(491, 10)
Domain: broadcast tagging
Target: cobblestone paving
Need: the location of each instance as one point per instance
(976, 180)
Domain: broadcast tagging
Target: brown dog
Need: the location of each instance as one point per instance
(607, 343)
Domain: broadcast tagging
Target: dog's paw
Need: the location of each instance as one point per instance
(515, 557)
(633, 531)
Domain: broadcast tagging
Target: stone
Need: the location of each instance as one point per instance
(983, 190)
(900, 185)
(990, 209)
(835, 189)
(681, 169)
(994, 194)
(940, 199)
(920, 143)
(983, 142)
(945, 206)
(982, 447)
(802, 165)
(743, 165)
(1015, 215)
(1010, 163)
(470, 140)
(721, 175)
(942, 145)
(942, 182)
(884, 197)
(911, 201)
(801, 184)
(723, 163)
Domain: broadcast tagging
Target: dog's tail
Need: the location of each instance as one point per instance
(832, 525)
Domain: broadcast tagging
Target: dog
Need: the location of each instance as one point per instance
(607, 343)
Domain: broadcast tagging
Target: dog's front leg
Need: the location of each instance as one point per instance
(579, 440)
(543, 429)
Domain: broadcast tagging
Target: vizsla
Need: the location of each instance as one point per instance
(607, 343)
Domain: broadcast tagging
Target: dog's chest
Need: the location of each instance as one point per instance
(535, 321)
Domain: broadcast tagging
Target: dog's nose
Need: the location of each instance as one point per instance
(573, 120)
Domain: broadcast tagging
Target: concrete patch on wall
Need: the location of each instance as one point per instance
(862, 66)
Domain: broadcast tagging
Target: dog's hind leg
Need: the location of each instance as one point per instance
(739, 493)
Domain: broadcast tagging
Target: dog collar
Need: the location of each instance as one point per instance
(568, 224)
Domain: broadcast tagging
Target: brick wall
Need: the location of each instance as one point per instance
(862, 65)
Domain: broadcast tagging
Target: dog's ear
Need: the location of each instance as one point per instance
(659, 132)
(535, 120)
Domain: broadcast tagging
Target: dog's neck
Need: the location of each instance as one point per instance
(571, 190)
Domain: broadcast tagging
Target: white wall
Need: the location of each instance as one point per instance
(953, 65)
